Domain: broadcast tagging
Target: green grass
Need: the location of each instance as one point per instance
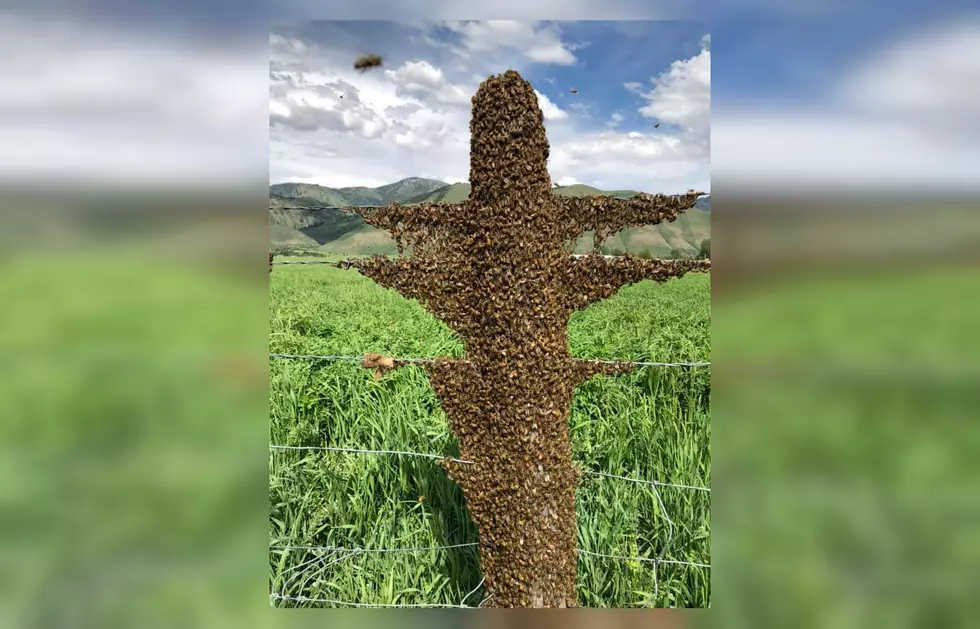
(130, 466)
(651, 424)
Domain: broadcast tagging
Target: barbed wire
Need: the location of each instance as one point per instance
(440, 457)
(639, 363)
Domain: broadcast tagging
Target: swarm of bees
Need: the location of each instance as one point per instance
(366, 62)
(380, 364)
(509, 299)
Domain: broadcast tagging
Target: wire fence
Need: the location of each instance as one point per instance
(465, 462)
(348, 553)
(638, 363)
(355, 551)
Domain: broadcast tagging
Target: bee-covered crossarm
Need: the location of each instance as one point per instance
(412, 225)
(607, 215)
(594, 278)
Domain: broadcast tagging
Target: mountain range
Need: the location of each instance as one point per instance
(329, 231)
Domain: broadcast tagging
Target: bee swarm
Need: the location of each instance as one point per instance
(509, 298)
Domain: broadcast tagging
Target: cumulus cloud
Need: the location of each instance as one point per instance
(418, 111)
(933, 81)
(903, 118)
(550, 110)
(92, 100)
(682, 95)
(419, 79)
(540, 44)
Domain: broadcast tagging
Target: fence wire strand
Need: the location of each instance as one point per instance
(352, 552)
(304, 599)
(659, 559)
(424, 455)
(356, 451)
(638, 363)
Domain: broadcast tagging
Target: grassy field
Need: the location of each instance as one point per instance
(652, 424)
(135, 490)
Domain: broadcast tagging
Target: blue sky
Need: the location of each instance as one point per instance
(411, 117)
(807, 90)
(764, 57)
(614, 54)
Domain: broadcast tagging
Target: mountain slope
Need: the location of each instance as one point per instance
(461, 191)
(359, 195)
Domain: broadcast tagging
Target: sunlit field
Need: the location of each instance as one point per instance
(653, 424)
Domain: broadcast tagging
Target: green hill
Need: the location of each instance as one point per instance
(359, 195)
(332, 232)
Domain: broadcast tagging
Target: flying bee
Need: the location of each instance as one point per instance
(366, 62)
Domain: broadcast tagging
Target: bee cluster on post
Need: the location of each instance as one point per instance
(497, 270)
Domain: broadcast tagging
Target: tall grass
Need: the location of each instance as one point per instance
(652, 424)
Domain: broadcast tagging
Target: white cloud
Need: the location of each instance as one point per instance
(682, 95)
(550, 110)
(931, 80)
(615, 119)
(567, 181)
(419, 79)
(633, 160)
(85, 103)
(541, 44)
(814, 148)
(905, 118)
(424, 109)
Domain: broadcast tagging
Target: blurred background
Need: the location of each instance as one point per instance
(133, 232)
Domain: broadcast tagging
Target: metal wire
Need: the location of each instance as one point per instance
(351, 450)
(439, 457)
(371, 550)
(304, 599)
(304, 262)
(653, 559)
(356, 551)
(648, 482)
(639, 363)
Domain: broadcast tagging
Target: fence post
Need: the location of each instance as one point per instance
(496, 270)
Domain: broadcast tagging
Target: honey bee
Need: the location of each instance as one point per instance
(366, 62)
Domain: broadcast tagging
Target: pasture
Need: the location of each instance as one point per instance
(653, 424)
